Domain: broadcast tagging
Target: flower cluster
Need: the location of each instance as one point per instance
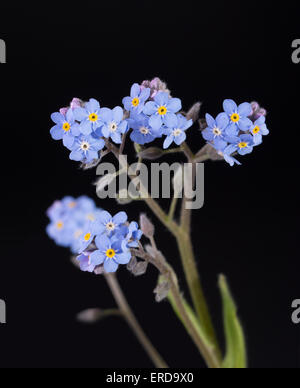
(237, 130)
(150, 112)
(83, 127)
(154, 113)
(103, 241)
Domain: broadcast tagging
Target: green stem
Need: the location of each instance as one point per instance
(182, 309)
(132, 321)
(193, 280)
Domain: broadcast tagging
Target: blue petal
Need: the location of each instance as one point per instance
(135, 90)
(98, 145)
(180, 139)
(75, 130)
(162, 98)
(245, 109)
(57, 118)
(155, 122)
(257, 139)
(97, 258)
(57, 133)
(211, 122)
(103, 242)
(168, 142)
(264, 130)
(123, 258)
(68, 141)
(245, 151)
(91, 156)
(110, 266)
(92, 106)
(171, 121)
(220, 144)
(230, 106)
(76, 155)
(150, 108)
(260, 121)
(70, 116)
(117, 114)
(120, 218)
(105, 217)
(106, 115)
(208, 134)
(230, 149)
(86, 127)
(232, 130)
(123, 126)
(116, 137)
(174, 105)
(80, 114)
(245, 124)
(222, 120)
(171, 118)
(98, 227)
(127, 102)
(105, 131)
(145, 94)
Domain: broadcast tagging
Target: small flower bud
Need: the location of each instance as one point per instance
(140, 269)
(162, 290)
(193, 113)
(99, 270)
(90, 316)
(89, 166)
(202, 124)
(156, 86)
(146, 226)
(211, 152)
(151, 153)
(76, 103)
(132, 264)
(257, 111)
(151, 251)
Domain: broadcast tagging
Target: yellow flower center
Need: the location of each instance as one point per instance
(110, 253)
(256, 130)
(72, 205)
(136, 102)
(243, 145)
(66, 127)
(235, 118)
(60, 225)
(87, 237)
(162, 110)
(93, 117)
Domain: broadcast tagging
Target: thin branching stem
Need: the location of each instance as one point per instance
(129, 316)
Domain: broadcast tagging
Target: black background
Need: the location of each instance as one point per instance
(248, 228)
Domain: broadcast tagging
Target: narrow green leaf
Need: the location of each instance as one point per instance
(236, 357)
